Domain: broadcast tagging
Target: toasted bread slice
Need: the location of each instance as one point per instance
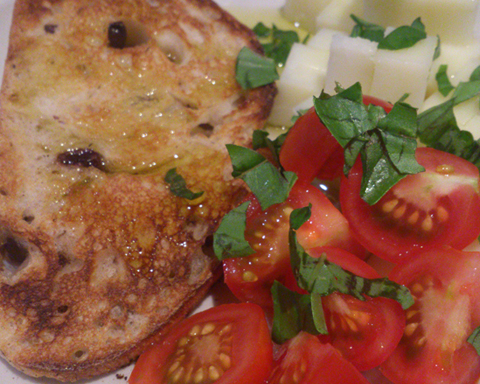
(98, 256)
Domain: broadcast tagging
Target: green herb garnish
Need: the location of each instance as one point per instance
(294, 312)
(269, 185)
(178, 186)
(443, 82)
(402, 37)
(229, 239)
(276, 43)
(254, 70)
(260, 139)
(385, 142)
(474, 340)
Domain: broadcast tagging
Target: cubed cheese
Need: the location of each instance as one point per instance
(303, 77)
(452, 20)
(403, 71)
(336, 15)
(304, 12)
(351, 60)
(323, 38)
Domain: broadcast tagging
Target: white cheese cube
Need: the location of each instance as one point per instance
(403, 71)
(304, 12)
(351, 60)
(323, 38)
(336, 15)
(303, 77)
(459, 58)
(452, 20)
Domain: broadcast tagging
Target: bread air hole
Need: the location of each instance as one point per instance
(172, 46)
(13, 254)
(79, 355)
(203, 129)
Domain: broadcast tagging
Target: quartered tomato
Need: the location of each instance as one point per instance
(434, 348)
(250, 278)
(222, 345)
(304, 360)
(354, 327)
(435, 207)
(310, 150)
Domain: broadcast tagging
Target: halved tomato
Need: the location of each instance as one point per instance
(310, 150)
(440, 206)
(251, 278)
(434, 348)
(354, 327)
(304, 360)
(222, 345)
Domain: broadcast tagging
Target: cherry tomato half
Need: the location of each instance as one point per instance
(435, 207)
(310, 150)
(434, 348)
(375, 325)
(225, 344)
(250, 278)
(304, 360)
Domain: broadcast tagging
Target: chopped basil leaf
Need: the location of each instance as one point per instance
(261, 140)
(385, 142)
(438, 49)
(229, 239)
(261, 30)
(474, 339)
(292, 313)
(404, 36)
(254, 70)
(366, 30)
(269, 185)
(438, 128)
(276, 43)
(319, 276)
(178, 186)
(443, 82)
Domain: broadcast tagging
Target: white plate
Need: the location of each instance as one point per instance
(9, 375)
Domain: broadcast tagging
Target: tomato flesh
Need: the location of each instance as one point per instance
(223, 345)
(310, 150)
(434, 347)
(375, 325)
(251, 278)
(438, 207)
(304, 360)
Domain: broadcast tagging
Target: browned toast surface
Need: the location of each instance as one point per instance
(98, 255)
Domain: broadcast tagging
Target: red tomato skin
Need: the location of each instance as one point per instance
(310, 150)
(251, 353)
(380, 321)
(327, 226)
(322, 364)
(455, 280)
(308, 146)
(393, 245)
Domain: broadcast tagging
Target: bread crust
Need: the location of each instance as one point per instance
(99, 258)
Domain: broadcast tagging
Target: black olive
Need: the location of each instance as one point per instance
(117, 34)
(83, 157)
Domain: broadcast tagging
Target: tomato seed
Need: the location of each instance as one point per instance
(208, 328)
(225, 360)
(351, 324)
(445, 169)
(427, 224)
(213, 373)
(400, 211)
(199, 376)
(195, 331)
(413, 218)
(389, 206)
(417, 288)
(442, 214)
(410, 328)
(249, 277)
